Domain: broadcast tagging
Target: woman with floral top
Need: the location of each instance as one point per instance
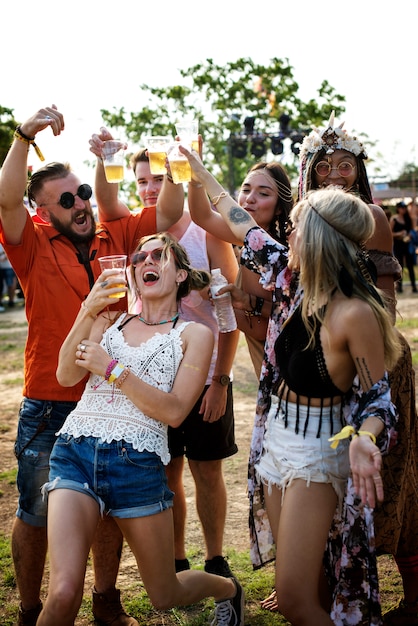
(335, 329)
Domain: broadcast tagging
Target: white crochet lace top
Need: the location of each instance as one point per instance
(106, 413)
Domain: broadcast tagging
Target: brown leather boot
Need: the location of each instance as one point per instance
(108, 610)
(29, 617)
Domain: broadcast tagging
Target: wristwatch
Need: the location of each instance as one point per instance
(224, 380)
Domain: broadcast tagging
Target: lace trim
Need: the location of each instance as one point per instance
(156, 362)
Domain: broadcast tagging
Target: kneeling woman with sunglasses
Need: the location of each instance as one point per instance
(146, 372)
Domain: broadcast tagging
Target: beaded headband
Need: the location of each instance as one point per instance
(331, 138)
(285, 193)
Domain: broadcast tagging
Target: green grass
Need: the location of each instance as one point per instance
(257, 585)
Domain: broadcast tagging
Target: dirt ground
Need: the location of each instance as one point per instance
(13, 324)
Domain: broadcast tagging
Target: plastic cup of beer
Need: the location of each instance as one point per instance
(188, 133)
(179, 165)
(113, 155)
(115, 261)
(157, 147)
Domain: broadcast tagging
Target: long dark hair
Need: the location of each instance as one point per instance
(361, 186)
(278, 224)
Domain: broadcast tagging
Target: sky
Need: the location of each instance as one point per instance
(87, 55)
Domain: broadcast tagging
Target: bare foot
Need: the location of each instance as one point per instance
(270, 603)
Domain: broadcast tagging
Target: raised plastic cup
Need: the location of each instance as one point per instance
(115, 261)
(157, 147)
(113, 155)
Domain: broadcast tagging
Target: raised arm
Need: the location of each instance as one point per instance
(14, 173)
(238, 220)
(107, 194)
(202, 213)
(170, 200)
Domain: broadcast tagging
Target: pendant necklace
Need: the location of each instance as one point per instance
(172, 319)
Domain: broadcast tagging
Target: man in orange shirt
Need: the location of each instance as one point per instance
(56, 263)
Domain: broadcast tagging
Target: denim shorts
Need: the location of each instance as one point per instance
(124, 482)
(287, 455)
(39, 420)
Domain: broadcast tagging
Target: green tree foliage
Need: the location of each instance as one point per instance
(408, 179)
(222, 97)
(7, 127)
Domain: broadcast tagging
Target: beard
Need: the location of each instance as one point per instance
(67, 229)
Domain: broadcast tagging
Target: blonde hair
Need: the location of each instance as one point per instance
(333, 226)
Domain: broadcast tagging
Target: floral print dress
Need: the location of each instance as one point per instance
(349, 558)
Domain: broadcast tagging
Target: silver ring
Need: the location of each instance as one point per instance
(104, 284)
(82, 347)
(48, 117)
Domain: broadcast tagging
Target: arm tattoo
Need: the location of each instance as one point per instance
(364, 373)
(238, 215)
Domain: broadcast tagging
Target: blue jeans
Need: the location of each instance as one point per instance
(39, 420)
(124, 482)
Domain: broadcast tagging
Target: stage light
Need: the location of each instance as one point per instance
(239, 147)
(276, 145)
(296, 139)
(258, 147)
(249, 123)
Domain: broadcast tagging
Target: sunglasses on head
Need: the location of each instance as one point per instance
(139, 257)
(67, 199)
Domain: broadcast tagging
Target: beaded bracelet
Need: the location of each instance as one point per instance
(121, 379)
(216, 199)
(20, 136)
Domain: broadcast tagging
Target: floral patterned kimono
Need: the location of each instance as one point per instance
(349, 558)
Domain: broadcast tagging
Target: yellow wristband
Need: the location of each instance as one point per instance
(115, 373)
(366, 432)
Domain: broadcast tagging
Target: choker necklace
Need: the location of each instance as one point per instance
(172, 319)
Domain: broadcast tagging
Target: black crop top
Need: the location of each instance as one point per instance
(303, 370)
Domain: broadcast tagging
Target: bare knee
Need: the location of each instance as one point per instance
(162, 601)
(207, 472)
(63, 600)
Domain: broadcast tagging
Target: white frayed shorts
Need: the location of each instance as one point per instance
(287, 455)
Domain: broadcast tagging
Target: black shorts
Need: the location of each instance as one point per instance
(204, 441)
